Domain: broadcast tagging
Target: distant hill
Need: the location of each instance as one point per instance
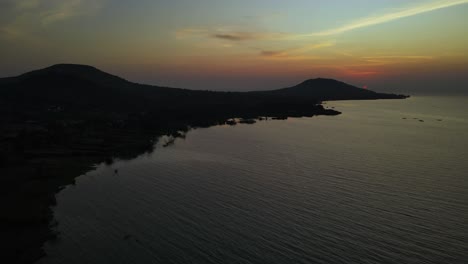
(81, 85)
(329, 89)
(84, 72)
(83, 93)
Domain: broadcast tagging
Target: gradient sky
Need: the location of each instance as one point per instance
(418, 46)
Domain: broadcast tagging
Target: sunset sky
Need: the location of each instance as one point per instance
(417, 46)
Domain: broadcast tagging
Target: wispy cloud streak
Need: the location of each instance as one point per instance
(68, 9)
(22, 19)
(228, 35)
(375, 20)
(237, 36)
(45, 12)
(295, 53)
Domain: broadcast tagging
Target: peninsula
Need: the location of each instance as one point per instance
(59, 121)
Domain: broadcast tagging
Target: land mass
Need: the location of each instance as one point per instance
(59, 121)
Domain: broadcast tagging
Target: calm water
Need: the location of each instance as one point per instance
(364, 187)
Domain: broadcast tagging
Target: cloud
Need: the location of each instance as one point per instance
(395, 59)
(23, 19)
(238, 36)
(229, 35)
(30, 13)
(70, 8)
(299, 53)
(247, 36)
(410, 57)
(360, 73)
(319, 45)
(296, 51)
(273, 53)
(375, 20)
(233, 37)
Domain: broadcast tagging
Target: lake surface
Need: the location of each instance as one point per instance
(364, 187)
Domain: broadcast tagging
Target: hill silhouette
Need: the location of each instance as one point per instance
(59, 121)
(85, 72)
(85, 87)
(329, 89)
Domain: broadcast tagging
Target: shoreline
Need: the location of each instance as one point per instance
(33, 176)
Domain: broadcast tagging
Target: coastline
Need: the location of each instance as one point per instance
(59, 121)
(32, 176)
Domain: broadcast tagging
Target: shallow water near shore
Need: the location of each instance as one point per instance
(385, 182)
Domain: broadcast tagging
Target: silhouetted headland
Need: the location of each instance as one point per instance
(330, 90)
(60, 121)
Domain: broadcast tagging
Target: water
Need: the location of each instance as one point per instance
(364, 187)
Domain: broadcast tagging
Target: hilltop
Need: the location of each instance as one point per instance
(329, 89)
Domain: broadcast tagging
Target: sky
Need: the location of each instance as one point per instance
(417, 46)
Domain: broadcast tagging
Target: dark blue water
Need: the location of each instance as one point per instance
(374, 185)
